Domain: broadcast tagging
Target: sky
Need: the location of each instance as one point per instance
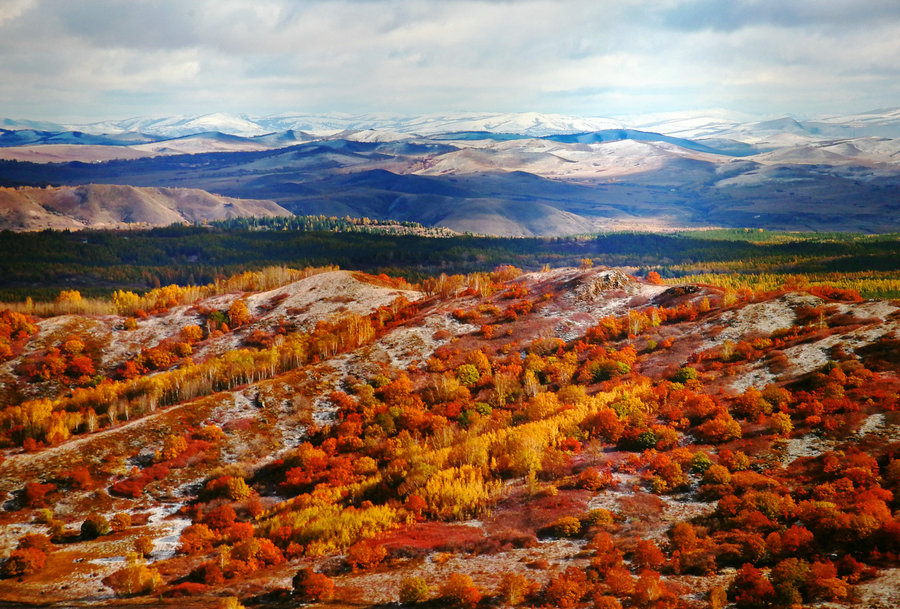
(87, 60)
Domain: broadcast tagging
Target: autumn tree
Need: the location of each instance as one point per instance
(238, 314)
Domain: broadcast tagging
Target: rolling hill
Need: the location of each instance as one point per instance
(115, 207)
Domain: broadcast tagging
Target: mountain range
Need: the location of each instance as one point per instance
(509, 174)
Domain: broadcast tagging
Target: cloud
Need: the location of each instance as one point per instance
(737, 14)
(102, 58)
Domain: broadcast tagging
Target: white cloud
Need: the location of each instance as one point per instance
(104, 58)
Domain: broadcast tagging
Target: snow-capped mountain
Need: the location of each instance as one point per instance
(526, 123)
(710, 124)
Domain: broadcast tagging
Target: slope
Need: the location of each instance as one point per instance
(110, 206)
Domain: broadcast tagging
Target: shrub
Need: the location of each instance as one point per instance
(514, 588)
(700, 462)
(567, 589)
(36, 541)
(23, 561)
(120, 521)
(598, 516)
(750, 589)
(95, 526)
(186, 589)
(36, 493)
(365, 555)
(460, 591)
(685, 374)
(219, 518)
(566, 526)
(310, 586)
(789, 578)
(468, 374)
(604, 601)
(135, 578)
(593, 480)
(413, 590)
(780, 424)
(647, 555)
(143, 545)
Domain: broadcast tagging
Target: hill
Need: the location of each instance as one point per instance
(115, 207)
(519, 175)
(546, 438)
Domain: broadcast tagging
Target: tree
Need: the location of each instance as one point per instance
(238, 315)
(514, 588)
(750, 589)
(647, 555)
(468, 374)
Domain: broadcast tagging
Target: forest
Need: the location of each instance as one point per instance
(39, 265)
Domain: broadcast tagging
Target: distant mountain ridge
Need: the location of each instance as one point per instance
(884, 122)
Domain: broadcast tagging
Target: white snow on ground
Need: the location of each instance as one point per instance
(764, 318)
(485, 569)
(807, 357)
(324, 411)
(883, 592)
(757, 376)
(878, 424)
(320, 296)
(234, 405)
(303, 302)
(761, 318)
(167, 531)
(675, 507)
(125, 344)
(809, 445)
(11, 533)
(408, 343)
(607, 292)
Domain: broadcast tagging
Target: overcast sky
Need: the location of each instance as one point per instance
(95, 59)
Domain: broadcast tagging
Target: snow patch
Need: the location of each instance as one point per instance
(167, 529)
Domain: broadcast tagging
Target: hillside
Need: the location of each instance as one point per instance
(114, 207)
(572, 437)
